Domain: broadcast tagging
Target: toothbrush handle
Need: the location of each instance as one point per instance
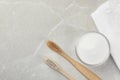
(85, 71)
(66, 75)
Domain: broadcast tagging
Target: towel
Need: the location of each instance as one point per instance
(107, 21)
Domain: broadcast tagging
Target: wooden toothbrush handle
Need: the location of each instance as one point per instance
(66, 75)
(85, 71)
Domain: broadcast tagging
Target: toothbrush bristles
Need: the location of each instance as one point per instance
(52, 64)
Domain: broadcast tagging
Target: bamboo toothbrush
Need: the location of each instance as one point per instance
(52, 64)
(85, 71)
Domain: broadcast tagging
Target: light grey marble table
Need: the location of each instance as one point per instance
(26, 25)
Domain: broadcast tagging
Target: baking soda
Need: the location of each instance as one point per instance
(93, 48)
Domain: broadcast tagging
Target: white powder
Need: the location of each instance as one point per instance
(93, 48)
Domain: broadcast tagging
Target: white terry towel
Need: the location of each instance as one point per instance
(107, 20)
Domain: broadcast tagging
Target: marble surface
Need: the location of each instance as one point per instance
(26, 25)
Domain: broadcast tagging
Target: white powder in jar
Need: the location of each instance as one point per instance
(93, 48)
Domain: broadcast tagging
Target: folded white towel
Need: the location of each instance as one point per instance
(107, 20)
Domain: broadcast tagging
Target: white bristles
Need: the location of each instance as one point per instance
(52, 64)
